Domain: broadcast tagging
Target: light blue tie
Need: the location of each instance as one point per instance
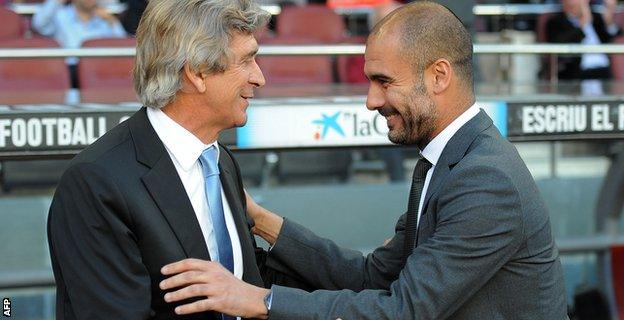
(209, 161)
(210, 168)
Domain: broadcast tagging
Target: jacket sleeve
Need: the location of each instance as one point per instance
(94, 252)
(325, 265)
(602, 30)
(271, 273)
(560, 30)
(478, 229)
(43, 20)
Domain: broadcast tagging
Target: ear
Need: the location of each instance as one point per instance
(442, 74)
(194, 79)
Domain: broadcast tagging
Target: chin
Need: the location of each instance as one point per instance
(240, 121)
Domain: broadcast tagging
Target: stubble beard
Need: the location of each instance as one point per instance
(418, 125)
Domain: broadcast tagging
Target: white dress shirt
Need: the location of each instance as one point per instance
(434, 149)
(184, 148)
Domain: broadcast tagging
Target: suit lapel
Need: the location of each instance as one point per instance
(250, 269)
(165, 187)
(167, 190)
(453, 152)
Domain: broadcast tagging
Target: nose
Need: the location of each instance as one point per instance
(375, 98)
(256, 77)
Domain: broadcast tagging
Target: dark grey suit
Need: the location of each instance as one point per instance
(120, 213)
(484, 249)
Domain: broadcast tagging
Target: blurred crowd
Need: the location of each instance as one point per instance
(72, 22)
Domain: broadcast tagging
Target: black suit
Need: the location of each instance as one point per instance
(559, 29)
(120, 213)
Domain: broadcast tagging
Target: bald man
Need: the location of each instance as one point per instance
(475, 242)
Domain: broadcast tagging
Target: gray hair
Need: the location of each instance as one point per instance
(198, 32)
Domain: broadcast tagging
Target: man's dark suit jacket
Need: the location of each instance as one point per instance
(484, 249)
(559, 29)
(119, 214)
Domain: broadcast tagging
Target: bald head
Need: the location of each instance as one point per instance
(426, 32)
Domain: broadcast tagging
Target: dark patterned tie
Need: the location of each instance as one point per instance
(418, 183)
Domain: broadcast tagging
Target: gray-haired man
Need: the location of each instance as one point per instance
(159, 188)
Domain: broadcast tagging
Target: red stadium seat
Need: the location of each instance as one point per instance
(33, 74)
(105, 72)
(540, 27)
(617, 61)
(617, 273)
(541, 35)
(295, 69)
(316, 22)
(619, 19)
(355, 3)
(12, 24)
(351, 68)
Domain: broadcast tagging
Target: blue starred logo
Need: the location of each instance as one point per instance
(329, 122)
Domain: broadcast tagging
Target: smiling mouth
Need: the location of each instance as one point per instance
(388, 112)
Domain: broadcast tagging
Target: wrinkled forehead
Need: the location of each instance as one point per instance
(385, 55)
(243, 43)
(386, 46)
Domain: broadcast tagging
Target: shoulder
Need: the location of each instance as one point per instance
(227, 158)
(111, 152)
(557, 19)
(491, 162)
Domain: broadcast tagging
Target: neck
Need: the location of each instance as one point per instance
(84, 15)
(453, 108)
(189, 120)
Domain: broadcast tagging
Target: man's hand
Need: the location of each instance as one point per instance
(254, 210)
(104, 14)
(385, 243)
(221, 290)
(608, 15)
(586, 15)
(267, 223)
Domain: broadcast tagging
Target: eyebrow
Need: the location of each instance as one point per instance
(379, 77)
(251, 54)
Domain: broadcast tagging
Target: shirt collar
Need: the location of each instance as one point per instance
(183, 146)
(433, 150)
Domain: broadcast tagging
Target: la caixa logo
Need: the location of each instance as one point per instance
(343, 124)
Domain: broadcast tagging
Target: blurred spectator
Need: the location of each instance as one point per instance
(71, 23)
(577, 24)
(131, 17)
